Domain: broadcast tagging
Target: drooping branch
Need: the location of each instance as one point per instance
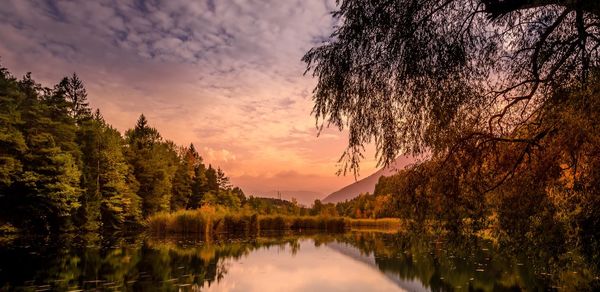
(411, 75)
(498, 8)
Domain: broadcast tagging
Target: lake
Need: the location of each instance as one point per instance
(352, 261)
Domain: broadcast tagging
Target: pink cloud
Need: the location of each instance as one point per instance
(225, 76)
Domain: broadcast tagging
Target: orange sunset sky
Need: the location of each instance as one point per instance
(224, 75)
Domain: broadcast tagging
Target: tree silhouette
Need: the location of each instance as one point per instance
(427, 76)
(75, 93)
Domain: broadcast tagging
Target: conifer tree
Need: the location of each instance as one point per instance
(154, 163)
(182, 182)
(63, 168)
(222, 180)
(199, 187)
(12, 142)
(120, 203)
(212, 179)
(90, 135)
(76, 95)
(47, 190)
(110, 198)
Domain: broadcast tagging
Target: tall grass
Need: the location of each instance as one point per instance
(208, 222)
(181, 222)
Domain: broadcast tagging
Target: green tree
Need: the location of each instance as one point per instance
(222, 180)
(60, 124)
(47, 191)
(154, 163)
(76, 95)
(62, 167)
(110, 197)
(199, 187)
(199, 179)
(12, 142)
(240, 194)
(317, 207)
(182, 181)
(228, 199)
(120, 203)
(49, 185)
(90, 140)
(212, 179)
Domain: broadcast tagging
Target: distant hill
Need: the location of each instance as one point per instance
(306, 198)
(276, 202)
(368, 183)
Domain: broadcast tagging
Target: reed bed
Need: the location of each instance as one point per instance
(209, 223)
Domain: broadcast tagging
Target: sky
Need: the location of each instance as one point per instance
(225, 75)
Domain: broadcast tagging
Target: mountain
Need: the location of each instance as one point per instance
(368, 183)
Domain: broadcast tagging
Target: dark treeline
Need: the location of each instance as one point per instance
(63, 167)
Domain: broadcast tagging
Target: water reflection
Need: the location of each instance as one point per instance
(356, 261)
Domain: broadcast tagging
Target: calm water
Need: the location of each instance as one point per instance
(355, 261)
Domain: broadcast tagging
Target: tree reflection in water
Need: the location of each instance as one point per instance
(170, 264)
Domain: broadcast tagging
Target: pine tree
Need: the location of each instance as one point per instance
(76, 95)
(223, 180)
(241, 196)
(12, 142)
(110, 199)
(47, 190)
(182, 183)
(199, 180)
(154, 163)
(195, 180)
(120, 203)
(60, 124)
(212, 179)
(194, 159)
(143, 137)
(90, 135)
(49, 185)
(199, 187)
(51, 173)
(61, 166)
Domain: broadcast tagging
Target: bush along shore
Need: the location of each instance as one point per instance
(207, 222)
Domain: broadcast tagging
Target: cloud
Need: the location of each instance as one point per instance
(221, 155)
(224, 75)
